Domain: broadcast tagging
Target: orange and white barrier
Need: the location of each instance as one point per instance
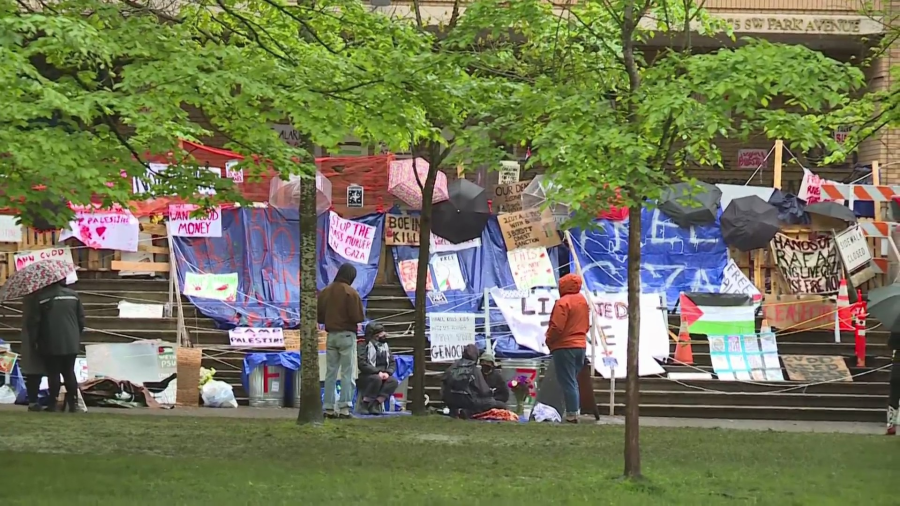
(868, 192)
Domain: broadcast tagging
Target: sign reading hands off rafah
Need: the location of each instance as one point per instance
(808, 266)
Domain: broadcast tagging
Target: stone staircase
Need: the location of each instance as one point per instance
(861, 400)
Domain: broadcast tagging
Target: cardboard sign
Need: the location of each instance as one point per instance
(403, 230)
(508, 197)
(798, 312)
(7, 362)
(450, 333)
(183, 223)
(248, 337)
(531, 267)
(808, 266)
(815, 368)
(752, 158)
(211, 286)
(25, 258)
(350, 239)
(853, 248)
(9, 230)
(530, 228)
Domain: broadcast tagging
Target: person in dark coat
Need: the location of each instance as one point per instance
(31, 364)
(464, 389)
(495, 381)
(376, 382)
(56, 317)
(893, 410)
(340, 310)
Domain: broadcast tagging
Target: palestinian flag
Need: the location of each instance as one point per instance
(718, 314)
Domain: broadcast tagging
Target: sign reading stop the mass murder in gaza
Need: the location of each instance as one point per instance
(530, 228)
(807, 265)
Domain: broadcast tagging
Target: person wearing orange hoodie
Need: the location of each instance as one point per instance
(566, 336)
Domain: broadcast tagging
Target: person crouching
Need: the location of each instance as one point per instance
(376, 380)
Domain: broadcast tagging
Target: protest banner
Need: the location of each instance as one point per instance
(735, 281)
(508, 197)
(450, 333)
(531, 267)
(816, 368)
(752, 158)
(798, 312)
(115, 229)
(748, 357)
(25, 258)
(807, 265)
(249, 337)
(403, 230)
(447, 273)
(529, 229)
(184, 222)
(10, 231)
(211, 286)
(350, 239)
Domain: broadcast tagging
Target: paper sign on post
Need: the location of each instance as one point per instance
(808, 266)
(237, 176)
(25, 258)
(450, 333)
(211, 286)
(256, 337)
(509, 172)
(531, 267)
(528, 229)
(183, 223)
(350, 239)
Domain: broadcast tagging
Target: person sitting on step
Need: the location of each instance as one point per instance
(495, 381)
(376, 380)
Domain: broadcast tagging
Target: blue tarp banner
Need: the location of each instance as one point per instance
(673, 259)
(290, 360)
(262, 245)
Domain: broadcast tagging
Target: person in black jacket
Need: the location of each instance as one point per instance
(893, 410)
(464, 389)
(495, 381)
(376, 380)
(56, 317)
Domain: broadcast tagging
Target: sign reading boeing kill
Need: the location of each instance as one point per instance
(807, 265)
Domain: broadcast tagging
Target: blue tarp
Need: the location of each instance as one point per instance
(673, 259)
(263, 247)
(290, 360)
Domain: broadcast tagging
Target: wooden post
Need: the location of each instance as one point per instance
(779, 148)
(876, 180)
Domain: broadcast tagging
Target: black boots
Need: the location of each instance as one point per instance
(72, 403)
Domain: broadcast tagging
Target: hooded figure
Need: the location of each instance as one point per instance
(376, 380)
(464, 389)
(491, 373)
(570, 322)
(340, 310)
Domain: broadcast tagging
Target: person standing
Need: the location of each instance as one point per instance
(30, 361)
(893, 410)
(340, 310)
(570, 322)
(376, 370)
(56, 317)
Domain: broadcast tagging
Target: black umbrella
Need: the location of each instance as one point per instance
(689, 204)
(464, 215)
(884, 304)
(749, 223)
(832, 210)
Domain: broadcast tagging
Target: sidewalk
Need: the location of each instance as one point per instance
(288, 413)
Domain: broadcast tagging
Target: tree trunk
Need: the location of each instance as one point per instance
(632, 387)
(420, 342)
(310, 391)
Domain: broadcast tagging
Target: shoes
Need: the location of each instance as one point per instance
(377, 408)
(35, 407)
(53, 407)
(330, 414)
(344, 413)
(365, 408)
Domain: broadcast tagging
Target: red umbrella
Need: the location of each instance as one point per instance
(34, 277)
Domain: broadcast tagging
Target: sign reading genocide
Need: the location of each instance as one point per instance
(450, 333)
(530, 228)
(815, 368)
(508, 197)
(808, 266)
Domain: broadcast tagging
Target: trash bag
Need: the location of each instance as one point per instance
(218, 394)
(7, 395)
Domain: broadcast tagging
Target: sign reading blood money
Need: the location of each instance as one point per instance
(185, 221)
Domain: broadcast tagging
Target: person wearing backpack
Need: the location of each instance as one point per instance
(464, 389)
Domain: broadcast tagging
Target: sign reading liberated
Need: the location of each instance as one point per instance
(115, 228)
(211, 286)
(450, 333)
(350, 239)
(816, 369)
(183, 223)
(751, 158)
(531, 267)
(528, 229)
(808, 266)
(25, 258)
(853, 248)
(249, 337)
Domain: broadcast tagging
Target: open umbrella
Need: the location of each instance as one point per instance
(832, 210)
(749, 223)
(537, 193)
(286, 194)
(34, 277)
(403, 184)
(689, 204)
(884, 304)
(462, 217)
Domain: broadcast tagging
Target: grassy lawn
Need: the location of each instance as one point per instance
(134, 460)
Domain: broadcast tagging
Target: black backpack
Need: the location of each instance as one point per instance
(460, 376)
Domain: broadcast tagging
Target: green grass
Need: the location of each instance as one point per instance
(135, 460)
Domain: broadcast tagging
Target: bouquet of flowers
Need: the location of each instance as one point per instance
(521, 389)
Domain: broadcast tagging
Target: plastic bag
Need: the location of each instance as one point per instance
(218, 394)
(7, 395)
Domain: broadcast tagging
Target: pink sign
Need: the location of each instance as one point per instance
(350, 239)
(115, 229)
(25, 258)
(752, 158)
(235, 175)
(183, 223)
(810, 187)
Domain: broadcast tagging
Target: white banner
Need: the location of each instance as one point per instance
(115, 229)
(450, 333)
(527, 313)
(612, 316)
(182, 223)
